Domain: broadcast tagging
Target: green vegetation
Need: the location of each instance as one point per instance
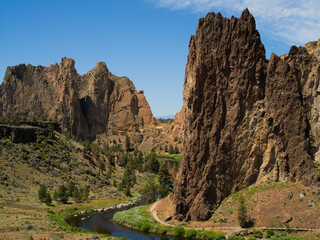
(165, 182)
(179, 231)
(127, 143)
(242, 212)
(266, 234)
(150, 189)
(165, 120)
(139, 218)
(172, 157)
(78, 195)
(43, 195)
(191, 233)
(171, 151)
(152, 163)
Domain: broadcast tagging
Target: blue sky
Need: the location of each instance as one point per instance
(146, 40)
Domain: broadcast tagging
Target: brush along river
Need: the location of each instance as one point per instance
(102, 222)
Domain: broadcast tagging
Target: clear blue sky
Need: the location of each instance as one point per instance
(146, 40)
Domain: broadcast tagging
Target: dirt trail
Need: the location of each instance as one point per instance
(227, 230)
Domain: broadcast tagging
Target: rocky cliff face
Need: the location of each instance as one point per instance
(247, 120)
(83, 105)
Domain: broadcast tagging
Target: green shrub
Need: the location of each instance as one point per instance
(179, 231)
(235, 237)
(242, 211)
(211, 235)
(50, 211)
(145, 227)
(163, 230)
(269, 233)
(191, 233)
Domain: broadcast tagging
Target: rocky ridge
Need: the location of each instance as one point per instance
(247, 120)
(85, 105)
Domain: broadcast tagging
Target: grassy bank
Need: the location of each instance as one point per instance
(171, 157)
(139, 218)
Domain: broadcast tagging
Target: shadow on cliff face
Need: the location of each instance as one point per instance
(247, 120)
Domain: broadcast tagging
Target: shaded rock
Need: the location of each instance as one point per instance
(23, 134)
(247, 120)
(168, 218)
(287, 220)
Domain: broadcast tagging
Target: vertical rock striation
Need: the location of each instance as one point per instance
(247, 120)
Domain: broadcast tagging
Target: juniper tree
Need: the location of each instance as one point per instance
(42, 192)
(242, 211)
(165, 182)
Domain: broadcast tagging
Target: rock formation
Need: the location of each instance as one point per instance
(176, 127)
(247, 120)
(83, 105)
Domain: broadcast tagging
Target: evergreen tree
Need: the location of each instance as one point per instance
(48, 199)
(76, 195)
(176, 149)
(85, 193)
(153, 163)
(62, 194)
(165, 182)
(166, 148)
(171, 151)
(101, 166)
(128, 179)
(42, 192)
(140, 161)
(127, 191)
(127, 143)
(125, 159)
(71, 187)
(242, 212)
(111, 160)
(55, 195)
(149, 190)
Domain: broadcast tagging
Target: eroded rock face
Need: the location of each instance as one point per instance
(247, 120)
(83, 105)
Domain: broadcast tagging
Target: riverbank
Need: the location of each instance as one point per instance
(140, 218)
(28, 218)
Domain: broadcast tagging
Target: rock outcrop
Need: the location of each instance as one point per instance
(82, 105)
(176, 127)
(23, 134)
(247, 120)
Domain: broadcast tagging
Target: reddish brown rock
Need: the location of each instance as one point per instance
(83, 105)
(176, 127)
(247, 119)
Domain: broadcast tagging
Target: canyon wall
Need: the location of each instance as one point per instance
(82, 105)
(247, 119)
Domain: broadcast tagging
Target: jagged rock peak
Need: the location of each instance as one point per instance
(84, 105)
(246, 120)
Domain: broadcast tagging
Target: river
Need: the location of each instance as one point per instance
(102, 222)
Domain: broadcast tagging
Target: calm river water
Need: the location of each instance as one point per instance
(103, 223)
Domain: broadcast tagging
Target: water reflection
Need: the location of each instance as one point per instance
(103, 223)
